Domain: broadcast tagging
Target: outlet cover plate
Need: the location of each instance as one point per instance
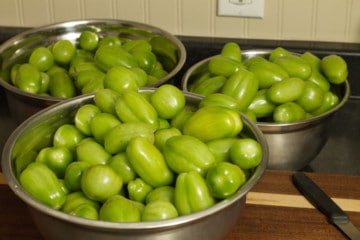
(241, 8)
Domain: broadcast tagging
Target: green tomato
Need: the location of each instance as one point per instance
(146, 60)
(61, 85)
(246, 153)
(168, 101)
(105, 100)
(68, 135)
(268, 73)
(219, 99)
(261, 106)
(224, 179)
(93, 85)
(319, 79)
(63, 186)
(120, 79)
(73, 173)
(81, 66)
(186, 153)
(181, 118)
(148, 162)
(213, 122)
(289, 112)
(159, 210)
(138, 190)
(117, 139)
(55, 69)
(43, 185)
(84, 116)
(157, 73)
(165, 50)
(28, 78)
(334, 68)
(312, 60)
(85, 211)
(141, 77)
(251, 115)
(120, 209)
(295, 66)
(132, 106)
(41, 58)
(92, 152)
(288, 90)
(85, 78)
(137, 45)
(75, 199)
(330, 100)
(162, 135)
(278, 52)
(99, 182)
(88, 40)
(311, 98)
(81, 56)
(209, 85)
(56, 158)
(122, 167)
(107, 57)
(45, 82)
(112, 41)
(13, 72)
(191, 193)
(101, 124)
(164, 193)
(220, 148)
(63, 51)
(232, 50)
(243, 86)
(253, 60)
(223, 66)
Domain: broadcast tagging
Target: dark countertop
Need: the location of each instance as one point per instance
(341, 152)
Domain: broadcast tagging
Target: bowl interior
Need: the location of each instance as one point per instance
(37, 131)
(341, 90)
(18, 48)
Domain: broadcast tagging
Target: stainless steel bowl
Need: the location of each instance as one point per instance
(292, 146)
(18, 48)
(212, 223)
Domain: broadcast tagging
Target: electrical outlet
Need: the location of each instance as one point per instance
(241, 8)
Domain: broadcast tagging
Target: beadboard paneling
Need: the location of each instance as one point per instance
(312, 20)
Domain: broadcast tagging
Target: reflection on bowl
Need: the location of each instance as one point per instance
(18, 48)
(292, 146)
(212, 223)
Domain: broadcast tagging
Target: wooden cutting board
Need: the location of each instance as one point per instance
(274, 210)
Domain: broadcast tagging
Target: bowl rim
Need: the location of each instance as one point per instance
(93, 21)
(15, 186)
(269, 127)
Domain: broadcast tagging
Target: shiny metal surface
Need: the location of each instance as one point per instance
(212, 223)
(18, 48)
(292, 146)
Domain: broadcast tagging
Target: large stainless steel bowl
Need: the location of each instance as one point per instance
(18, 48)
(292, 146)
(36, 133)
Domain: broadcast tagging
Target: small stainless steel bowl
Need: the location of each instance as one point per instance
(36, 132)
(18, 48)
(292, 146)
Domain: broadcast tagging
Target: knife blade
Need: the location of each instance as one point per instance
(326, 205)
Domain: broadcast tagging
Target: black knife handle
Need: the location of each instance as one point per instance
(319, 198)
